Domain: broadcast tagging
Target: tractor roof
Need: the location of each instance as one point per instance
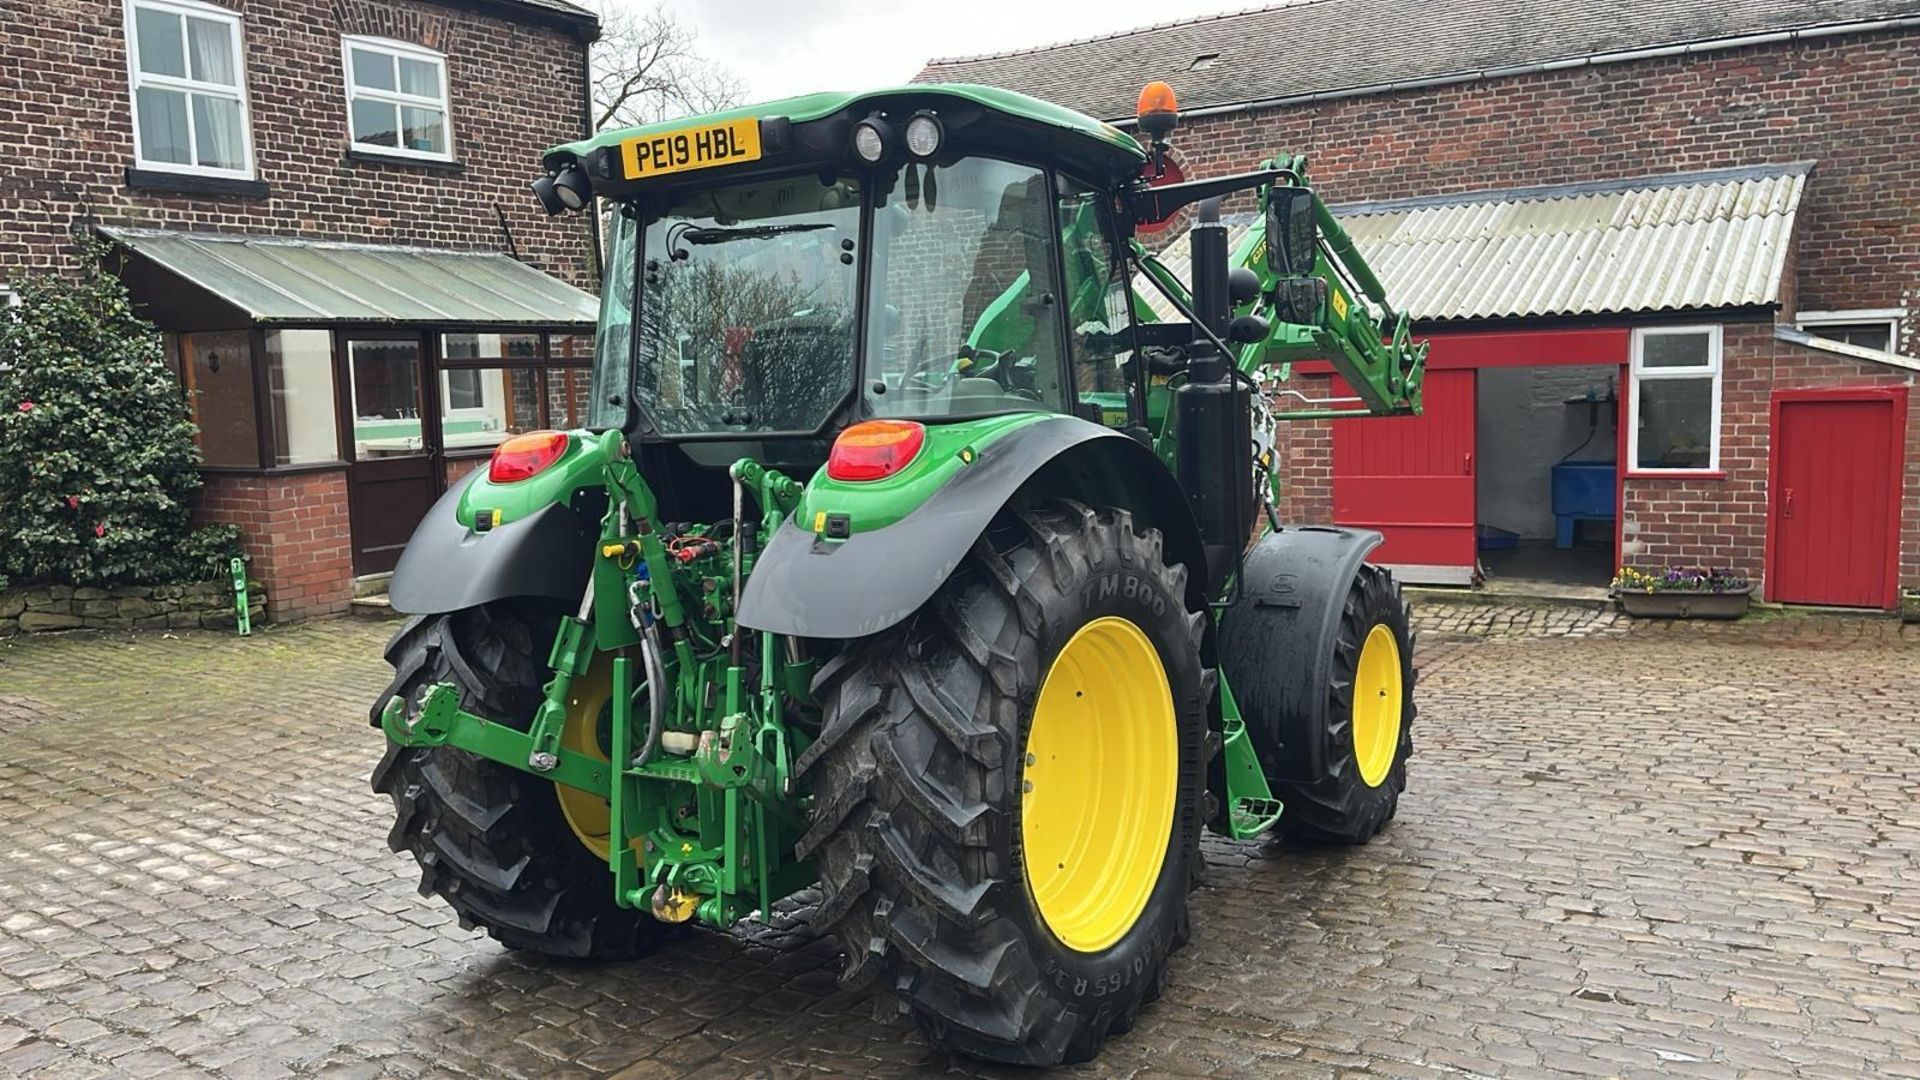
(1030, 126)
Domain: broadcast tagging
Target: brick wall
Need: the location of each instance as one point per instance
(295, 530)
(1723, 522)
(1847, 102)
(1717, 521)
(1844, 102)
(66, 132)
(458, 468)
(1305, 449)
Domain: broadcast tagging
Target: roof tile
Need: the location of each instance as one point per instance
(1334, 46)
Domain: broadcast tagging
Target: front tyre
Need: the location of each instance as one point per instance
(1369, 730)
(498, 844)
(1009, 789)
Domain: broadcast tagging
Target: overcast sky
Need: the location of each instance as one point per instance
(785, 47)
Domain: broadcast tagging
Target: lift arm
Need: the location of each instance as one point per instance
(1323, 308)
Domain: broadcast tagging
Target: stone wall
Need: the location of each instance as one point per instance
(208, 605)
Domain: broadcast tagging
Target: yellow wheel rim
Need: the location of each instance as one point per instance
(587, 814)
(1376, 706)
(1101, 777)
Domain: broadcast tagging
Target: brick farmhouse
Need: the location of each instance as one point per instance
(1668, 256)
(323, 205)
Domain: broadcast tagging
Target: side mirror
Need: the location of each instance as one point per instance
(1292, 232)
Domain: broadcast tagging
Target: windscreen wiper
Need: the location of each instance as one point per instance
(717, 235)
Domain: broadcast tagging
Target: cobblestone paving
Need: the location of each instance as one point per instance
(1680, 850)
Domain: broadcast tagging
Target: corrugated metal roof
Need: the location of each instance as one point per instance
(1322, 47)
(1695, 241)
(277, 280)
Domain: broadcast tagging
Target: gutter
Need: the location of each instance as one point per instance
(1704, 45)
(1794, 336)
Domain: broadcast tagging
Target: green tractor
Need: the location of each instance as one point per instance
(921, 549)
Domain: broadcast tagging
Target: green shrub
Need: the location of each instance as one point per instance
(97, 458)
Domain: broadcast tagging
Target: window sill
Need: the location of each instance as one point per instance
(277, 470)
(1676, 474)
(193, 184)
(363, 156)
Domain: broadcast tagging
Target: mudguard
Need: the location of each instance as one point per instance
(806, 586)
(1277, 638)
(447, 566)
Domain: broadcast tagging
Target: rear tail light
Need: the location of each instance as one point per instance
(525, 455)
(875, 450)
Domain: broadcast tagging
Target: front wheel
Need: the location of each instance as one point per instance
(1009, 789)
(1361, 716)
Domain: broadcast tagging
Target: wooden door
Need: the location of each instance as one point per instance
(393, 437)
(1834, 497)
(1412, 479)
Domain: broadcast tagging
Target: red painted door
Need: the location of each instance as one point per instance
(1411, 478)
(1835, 498)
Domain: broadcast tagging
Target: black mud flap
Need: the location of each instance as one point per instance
(1276, 640)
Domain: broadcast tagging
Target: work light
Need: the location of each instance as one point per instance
(573, 188)
(870, 138)
(549, 198)
(924, 135)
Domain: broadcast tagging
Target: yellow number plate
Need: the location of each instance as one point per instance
(732, 143)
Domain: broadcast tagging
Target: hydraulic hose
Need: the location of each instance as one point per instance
(656, 685)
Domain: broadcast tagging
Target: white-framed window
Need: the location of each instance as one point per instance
(1675, 400)
(468, 392)
(187, 71)
(1872, 328)
(397, 98)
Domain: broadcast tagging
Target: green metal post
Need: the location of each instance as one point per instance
(242, 606)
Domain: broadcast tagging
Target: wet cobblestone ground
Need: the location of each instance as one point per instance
(1628, 850)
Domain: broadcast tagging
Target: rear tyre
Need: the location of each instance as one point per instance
(493, 841)
(1369, 730)
(1009, 790)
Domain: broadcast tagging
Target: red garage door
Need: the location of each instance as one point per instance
(1412, 479)
(1834, 497)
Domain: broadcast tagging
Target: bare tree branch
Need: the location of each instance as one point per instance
(646, 68)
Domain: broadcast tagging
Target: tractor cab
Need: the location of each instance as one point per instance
(781, 273)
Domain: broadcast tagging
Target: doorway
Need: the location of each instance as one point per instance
(1548, 481)
(1833, 497)
(1411, 478)
(394, 468)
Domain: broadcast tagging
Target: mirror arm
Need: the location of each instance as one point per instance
(1150, 204)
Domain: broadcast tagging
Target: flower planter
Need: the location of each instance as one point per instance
(1679, 604)
(1910, 606)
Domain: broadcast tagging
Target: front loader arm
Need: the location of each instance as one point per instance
(1383, 367)
(1327, 313)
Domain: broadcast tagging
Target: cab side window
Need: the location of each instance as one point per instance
(1096, 307)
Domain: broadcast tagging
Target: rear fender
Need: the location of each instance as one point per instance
(804, 585)
(448, 565)
(1277, 639)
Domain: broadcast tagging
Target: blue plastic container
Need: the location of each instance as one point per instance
(1582, 491)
